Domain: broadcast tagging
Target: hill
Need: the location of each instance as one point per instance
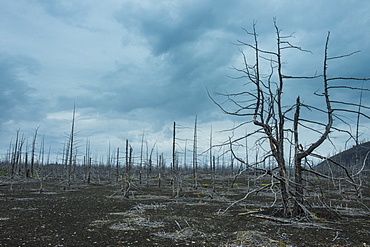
(353, 159)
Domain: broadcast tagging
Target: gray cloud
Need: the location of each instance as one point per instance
(71, 12)
(16, 101)
(186, 37)
(140, 65)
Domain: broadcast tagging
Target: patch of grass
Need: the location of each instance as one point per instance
(4, 172)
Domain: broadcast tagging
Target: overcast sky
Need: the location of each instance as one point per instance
(138, 66)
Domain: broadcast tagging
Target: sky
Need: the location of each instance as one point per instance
(132, 68)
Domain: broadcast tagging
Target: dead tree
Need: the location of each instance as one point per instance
(26, 170)
(174, 166)
(15, 155)
(276, 117)
(33, 151)
(109, 167)
(195, 156)
(212, 162)
(70, 147)
(19, 155)
(41, 165)
(161, 166)
(127, 182)
(117, 165)
(87, 162)
(141, 158)
(150, 165)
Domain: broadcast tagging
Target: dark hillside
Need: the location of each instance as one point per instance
(352, 159)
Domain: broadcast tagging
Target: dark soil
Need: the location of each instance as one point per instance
(99, 215)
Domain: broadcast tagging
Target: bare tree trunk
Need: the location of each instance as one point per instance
(65, 157)
(185, 167)
(117, 165)
(150, 164)
(141, 158)
(173, 165)
(71, 145)
(214, 174)
(19, 155)
(247, 160)
(109, 165)
(27, 172)
(231, 165)
(212, 161)
(48, 158)
(127, 183)
(160, 169)
(297, 164)
(14, 155)
(41, 166)
(33, 151)
(87, 162)
(195, 156)
(357, 158)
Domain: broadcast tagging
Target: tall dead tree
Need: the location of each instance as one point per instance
(70, 147)
(87, 162)
(117, 165)
(127, 182)
(26, 171)
(19, 154)
(65, 156)
(276, 116)
(41, 164)
(109, 166)
(150, 165)
(141, 158)
(195, 156)
(212, 162)
(174, 164)
(185, 165)
(160, 169)
(14, 155)
(33, 151)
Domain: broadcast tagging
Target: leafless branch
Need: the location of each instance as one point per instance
(343, 56)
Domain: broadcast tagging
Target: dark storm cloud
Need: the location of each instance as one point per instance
(16, 101)
(140, 65)
(186, 37)
(168, 27)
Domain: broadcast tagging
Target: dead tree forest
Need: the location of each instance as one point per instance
(284, 128)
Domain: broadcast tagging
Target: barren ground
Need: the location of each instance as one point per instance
(99, 215)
